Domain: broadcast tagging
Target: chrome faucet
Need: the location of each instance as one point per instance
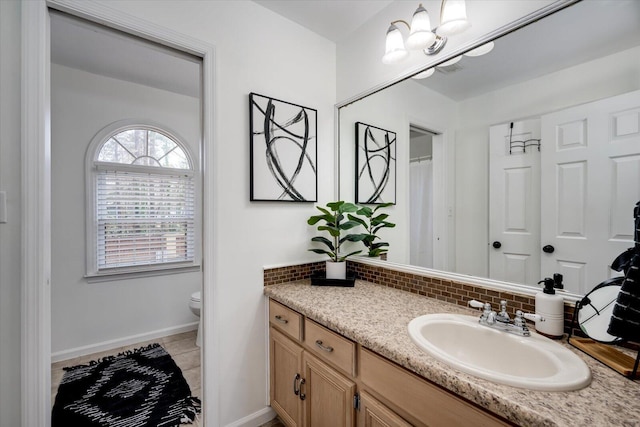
(503, 316)
(501, 320)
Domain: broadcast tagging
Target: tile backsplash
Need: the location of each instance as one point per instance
(456, 292)
(291, 273)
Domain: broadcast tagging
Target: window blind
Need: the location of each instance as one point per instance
(144, 218)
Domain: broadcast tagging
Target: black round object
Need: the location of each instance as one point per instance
(548, 249)
(595, 309)
(497, 244)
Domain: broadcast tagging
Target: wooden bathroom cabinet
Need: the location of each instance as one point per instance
(321, 379)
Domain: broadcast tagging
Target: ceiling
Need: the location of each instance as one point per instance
(82, 45)
(96, 49)
(582, 32)
(586, 31)
(334, 19)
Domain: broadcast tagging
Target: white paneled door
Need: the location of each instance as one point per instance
(514, 192)
(590, 182)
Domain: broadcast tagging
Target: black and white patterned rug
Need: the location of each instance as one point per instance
(138, 388)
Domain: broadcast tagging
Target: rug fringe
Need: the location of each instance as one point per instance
(191, 407)
(112, 357)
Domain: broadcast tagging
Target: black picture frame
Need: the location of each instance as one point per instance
(283, 150)
(375, 165)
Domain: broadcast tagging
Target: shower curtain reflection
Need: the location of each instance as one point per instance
(421, 212)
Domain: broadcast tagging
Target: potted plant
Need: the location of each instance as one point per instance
(373, 223)
(333, 221)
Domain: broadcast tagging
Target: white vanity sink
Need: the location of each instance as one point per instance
(534, 362)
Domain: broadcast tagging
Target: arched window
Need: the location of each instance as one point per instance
(143, 191)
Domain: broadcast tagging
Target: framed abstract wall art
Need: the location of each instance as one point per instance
(375, 165)
(283, 151)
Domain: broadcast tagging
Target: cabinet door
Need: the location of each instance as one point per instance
(328, 395)
(285, 376)
(375, 414)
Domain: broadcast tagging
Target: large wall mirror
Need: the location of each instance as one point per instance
(522, 162)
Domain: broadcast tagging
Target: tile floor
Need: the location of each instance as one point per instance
(274, 423)
(182, 348)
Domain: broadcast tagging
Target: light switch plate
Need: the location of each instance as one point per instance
(3, 207)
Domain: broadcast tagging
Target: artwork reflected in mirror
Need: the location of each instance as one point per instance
(518, 217)
(376, 165)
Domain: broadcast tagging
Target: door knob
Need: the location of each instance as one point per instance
(548, 249)
(497, 244)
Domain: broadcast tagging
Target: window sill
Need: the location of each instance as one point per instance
(133, 274)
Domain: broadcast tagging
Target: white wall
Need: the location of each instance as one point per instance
(87, 314)
(420, 106)
(10, 241)
(601, 78)
(359, 56)
(256, 51)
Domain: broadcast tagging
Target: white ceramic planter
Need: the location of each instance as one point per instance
(336, 270)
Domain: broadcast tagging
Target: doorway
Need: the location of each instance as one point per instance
(36, 166)
(421, 187)
(100, 79)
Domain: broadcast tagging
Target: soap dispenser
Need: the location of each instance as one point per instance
(557, 282)
(550, 307)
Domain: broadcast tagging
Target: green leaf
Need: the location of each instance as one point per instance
(322, 251)
(380, 218)
(353, 238)
(343, 257)
(369, 238)
(348, 225)
(335, 206)
(323, 210)
(348, 207)
(358, 220)
(314, 219)
(383, 225)
(366, 211)
(378, 245)
(335, 232)
(377, 252)
(324, 240)
(383, 205)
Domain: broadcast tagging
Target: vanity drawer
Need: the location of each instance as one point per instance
(285, 319)
(422, 402)
(331, 347)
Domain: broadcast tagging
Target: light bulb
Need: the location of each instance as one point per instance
(394, 46)
(453, 18)
(421, 35)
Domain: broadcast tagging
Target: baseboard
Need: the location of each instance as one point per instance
(121, 342)
(256, 419)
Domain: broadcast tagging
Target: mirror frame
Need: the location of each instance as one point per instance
(421, 271)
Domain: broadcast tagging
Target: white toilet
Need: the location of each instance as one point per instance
(195, 305)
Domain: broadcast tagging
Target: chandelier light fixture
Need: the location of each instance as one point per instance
(453, 20)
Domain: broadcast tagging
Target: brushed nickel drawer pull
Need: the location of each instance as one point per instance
(296, 388)
(302, 395)
(281, 320)
(326, 348)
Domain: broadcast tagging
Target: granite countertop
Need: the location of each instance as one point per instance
(377, 317)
